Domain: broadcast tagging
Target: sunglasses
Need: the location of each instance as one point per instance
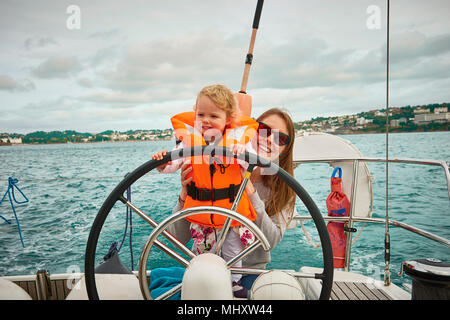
(279, 137)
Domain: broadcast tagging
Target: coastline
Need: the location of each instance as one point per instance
(391, 130)
(6, 144)
(423, 118)
(78, 142)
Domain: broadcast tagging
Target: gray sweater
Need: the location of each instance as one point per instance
(272, 227)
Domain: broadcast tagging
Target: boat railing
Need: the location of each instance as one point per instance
(351, 219)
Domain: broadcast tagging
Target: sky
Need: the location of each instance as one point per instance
(91, 66)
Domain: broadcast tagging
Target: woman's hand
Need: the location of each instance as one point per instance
(186, 168)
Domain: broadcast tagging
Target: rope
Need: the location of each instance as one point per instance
(318, 244)
(11, 186)
(128, 217)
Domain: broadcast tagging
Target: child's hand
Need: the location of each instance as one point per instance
(237, 148)
(159, 156)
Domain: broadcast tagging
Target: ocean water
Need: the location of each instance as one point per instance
(67, 184)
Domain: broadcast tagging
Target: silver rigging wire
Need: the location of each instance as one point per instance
(387, 245)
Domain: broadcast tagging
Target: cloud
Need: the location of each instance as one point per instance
(310, 57)
(413, 45)
(115, 98)
(35, 42)
(68, 112)
(85, 82)
(105, 35)
(177, 66)
(313, 62)
(9, 84)
(49, 105)
(306, 77)
(57, 67)
(105, 56)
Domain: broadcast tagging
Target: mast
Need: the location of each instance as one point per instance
(249, 57)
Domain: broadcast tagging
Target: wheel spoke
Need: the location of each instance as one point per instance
(244, 252)
(171, 253)
(165, 233)
(169, 293)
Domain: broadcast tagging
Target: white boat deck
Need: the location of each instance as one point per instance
(346, 286)
(353, 286)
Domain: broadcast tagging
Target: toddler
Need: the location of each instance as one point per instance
(215, 120)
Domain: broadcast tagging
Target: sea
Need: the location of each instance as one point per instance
(66, 184)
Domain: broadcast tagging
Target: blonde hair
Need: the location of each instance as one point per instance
(223, 98)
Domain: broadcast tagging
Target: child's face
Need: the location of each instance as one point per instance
(208, 116)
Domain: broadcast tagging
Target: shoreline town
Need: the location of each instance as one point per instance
(428, 118)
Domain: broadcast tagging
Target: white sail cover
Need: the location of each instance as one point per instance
(310, 146)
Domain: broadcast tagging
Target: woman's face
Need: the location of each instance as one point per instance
(265, 146)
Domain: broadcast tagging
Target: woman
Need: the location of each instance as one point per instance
(271, 198)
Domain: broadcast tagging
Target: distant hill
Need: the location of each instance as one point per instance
(43, 137)
(421, 118)
(55, 137)
(431, 117)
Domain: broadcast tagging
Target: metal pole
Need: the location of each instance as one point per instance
(348, 245)
(387, 241)
(249, 57)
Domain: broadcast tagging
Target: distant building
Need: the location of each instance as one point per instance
(431, 117)
(15, 140)
(398, 122)
(11, 140)
(362, 121)
(421, 110)
(440, 110)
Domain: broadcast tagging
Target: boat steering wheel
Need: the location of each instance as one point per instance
(117, 195)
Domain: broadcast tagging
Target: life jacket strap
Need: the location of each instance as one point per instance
(203, 194)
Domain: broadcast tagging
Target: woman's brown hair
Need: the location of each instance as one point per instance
(281, 195)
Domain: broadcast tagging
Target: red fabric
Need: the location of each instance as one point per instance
(337, 205)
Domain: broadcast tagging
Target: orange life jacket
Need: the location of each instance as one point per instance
(215, 179)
